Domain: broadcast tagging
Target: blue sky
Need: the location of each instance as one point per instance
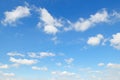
(59, 40)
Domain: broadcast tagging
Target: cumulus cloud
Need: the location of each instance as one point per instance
(115, 41)
(69, 61)
(23, 61)
(11, 17)
(84, 24)
(96, 40)
(40, 68)
(15, 54)
(50, 23)
(41, 54)
(102, 16)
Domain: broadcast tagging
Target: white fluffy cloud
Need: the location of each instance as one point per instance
(12, 16)
(102, 16)
(69, 61)
(40, 68)
(41, 54)
(23, 61)
(84, 24)
(115, 41)
(15, 54)
(51, 24)
(96, 40)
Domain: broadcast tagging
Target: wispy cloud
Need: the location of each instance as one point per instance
(15, 54)
(69, 61)
(41, 54)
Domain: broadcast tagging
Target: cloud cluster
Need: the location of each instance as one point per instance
(100, 39)
(52, 25)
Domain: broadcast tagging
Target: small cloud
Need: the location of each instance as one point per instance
(55, 40)
(5, 66)
(101, 64)
(96, 40)
(50, 23)
(8, 74)
(69, 61)
(15, 54)
(84, 24)
(23, 61)
(41, 54)
(11, 17)
(115, 41)
(40, 68)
